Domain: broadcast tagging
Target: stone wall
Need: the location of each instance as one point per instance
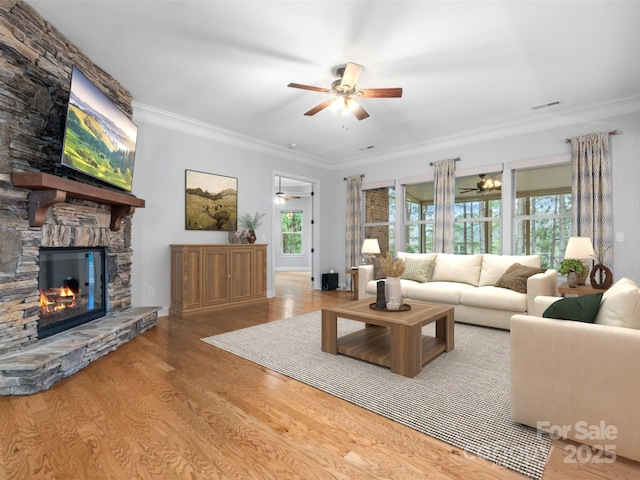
(35, 69)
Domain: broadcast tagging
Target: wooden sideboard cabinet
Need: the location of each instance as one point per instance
(208, 277)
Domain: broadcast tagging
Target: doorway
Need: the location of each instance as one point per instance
(294, 232)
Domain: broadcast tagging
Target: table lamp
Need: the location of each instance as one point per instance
(370, 246)
(580, 248)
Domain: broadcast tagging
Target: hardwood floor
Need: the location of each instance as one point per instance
(169, 406)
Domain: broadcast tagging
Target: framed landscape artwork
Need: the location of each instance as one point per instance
(211, 201)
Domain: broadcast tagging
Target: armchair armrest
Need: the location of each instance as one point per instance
(568, 378)
(545, 284)
(541, 303)
(365, 275)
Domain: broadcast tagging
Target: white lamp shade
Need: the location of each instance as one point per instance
(579, 248)
(370, 245)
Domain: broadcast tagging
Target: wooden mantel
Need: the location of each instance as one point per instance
(51, 189)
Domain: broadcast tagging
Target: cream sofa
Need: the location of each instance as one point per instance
(580, 380)
(467, 283)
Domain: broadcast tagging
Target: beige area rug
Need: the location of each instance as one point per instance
(461, 397)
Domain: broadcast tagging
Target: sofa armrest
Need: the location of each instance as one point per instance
(365, 275)
(545, 284)
(569, 377)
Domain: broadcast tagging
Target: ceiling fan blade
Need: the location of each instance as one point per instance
(351, 74)
(319, 107)
(360, 112)
(380, 92)
(308, 87)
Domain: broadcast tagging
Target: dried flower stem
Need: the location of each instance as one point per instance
(393, 267)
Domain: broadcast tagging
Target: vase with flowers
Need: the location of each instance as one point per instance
(251, 223)
(393, 268)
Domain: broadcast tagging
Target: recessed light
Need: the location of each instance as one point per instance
(292, 146)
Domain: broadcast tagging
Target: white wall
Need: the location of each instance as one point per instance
(625, 159)
(164, 152)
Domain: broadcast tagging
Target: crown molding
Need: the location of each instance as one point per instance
(553, 118)
(180, 123)
(558, 117)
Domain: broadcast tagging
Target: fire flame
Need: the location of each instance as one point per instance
(48, 306)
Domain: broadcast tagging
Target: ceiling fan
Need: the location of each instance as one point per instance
(484, 185)
(344, 90)
(281, 197)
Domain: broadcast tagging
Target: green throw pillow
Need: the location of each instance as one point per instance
(580, 309)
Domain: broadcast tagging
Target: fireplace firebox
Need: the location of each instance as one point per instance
(72, 287)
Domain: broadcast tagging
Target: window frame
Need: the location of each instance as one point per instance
(284, 234)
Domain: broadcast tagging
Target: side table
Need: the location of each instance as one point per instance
(354, 281)
(578, 291)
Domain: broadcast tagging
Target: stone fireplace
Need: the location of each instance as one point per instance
(40, 210)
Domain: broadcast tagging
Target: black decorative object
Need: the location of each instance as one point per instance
(381, 301)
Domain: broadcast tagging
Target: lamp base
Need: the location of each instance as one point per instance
(601, 277)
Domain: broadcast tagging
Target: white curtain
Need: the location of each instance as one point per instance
(592, 209)
(354, 224)
(444, 185)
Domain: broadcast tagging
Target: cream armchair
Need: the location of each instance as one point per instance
(577, 380)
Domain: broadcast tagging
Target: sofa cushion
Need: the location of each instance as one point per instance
(580, 309)
(494, 298)
(457, 268)
(515, 278)
(493, 266)
(418, 269)
(439, 292)
(620, 306)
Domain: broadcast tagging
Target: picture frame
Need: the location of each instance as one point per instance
(211, 201)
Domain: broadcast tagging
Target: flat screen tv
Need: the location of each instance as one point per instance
(99, 139)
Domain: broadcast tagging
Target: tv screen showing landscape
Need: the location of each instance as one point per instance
(99, 139)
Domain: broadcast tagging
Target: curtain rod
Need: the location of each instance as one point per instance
(361, 176)
(457, 159)
(614, 132)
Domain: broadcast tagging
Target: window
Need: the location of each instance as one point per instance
(380, 217)
(418, 217)
(543, 212)
(292, 233)
(477, 214)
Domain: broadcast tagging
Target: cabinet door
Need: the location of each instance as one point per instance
(260, 272)
(215, 276)
(191, 271)
(241, 282)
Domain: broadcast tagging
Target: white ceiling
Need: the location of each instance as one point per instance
(464, 66)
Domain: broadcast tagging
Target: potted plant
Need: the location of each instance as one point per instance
(251, 223)
(572, 268)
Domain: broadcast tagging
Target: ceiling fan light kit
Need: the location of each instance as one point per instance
(344, 90)
(484, 185)
(282, 197)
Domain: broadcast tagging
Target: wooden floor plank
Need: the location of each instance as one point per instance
(167, 405)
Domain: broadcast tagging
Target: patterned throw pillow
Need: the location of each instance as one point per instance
(378, 271)
(418, 270)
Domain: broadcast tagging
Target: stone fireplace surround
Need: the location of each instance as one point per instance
(35, 67)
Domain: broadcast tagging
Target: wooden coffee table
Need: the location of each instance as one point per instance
(390, 339)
